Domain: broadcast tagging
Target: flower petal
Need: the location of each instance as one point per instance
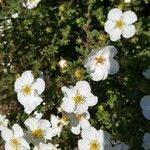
(89, 133)
(91, 99)
(8, 146)
(39, 85)
(18, 132)
(115, 34)
(145, 102)
(85, 123)
(103, 136)
(121, 146)
(28, 76)
(109, 51)
(114, 14)
(76, 129)
(83, 87)
(6, 134)
(129, 17)
(32, 104)
(100, 74)
(146, 141)
(128, 31)
(113, 66)
(109, 25)
(31, 123)
(44, 124)
(83, 145)
(146, 114)
(25, 143)
(68, 105)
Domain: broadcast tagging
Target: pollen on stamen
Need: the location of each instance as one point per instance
(37, 133)
(79, 116)
(94, 145)
(78, 99)
(119, 24)
(100, 60)
(26, 90)
(15, 143)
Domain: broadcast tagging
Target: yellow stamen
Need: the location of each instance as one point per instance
(15, 143)
(64, 120)
(119, 24)
(26, 90)
(100, 60)
(37, 133)
(79, 116)
(94, 145)
(79, 99)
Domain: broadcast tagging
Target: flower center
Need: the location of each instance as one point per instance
(15, 143)
(64, 120)
(79, 99)
(79, 116)
(94, 145)
(100, 60)
(26, 90)
(119, 24)
(38, 133)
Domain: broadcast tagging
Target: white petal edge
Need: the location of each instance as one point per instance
(39, 85)
(129, 17)
(128, 31)
(18, 132)
(114, 14)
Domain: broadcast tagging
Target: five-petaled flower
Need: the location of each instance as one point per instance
(39, 130)
(77, 99)
(29, 90)
(120, 23)
(14, 138)
(100, 63)
(94, 140)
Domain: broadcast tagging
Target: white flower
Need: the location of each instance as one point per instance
(79, 121)
(127, 1)
(14, 138)
(146, 141)
(94, 140)
(29, 90)
(100, 63)
(15, 15)
(39, 130)
(56, 125)
(3, 122)
(145, 105)
(62, 63)
(146, 73)
(38, 115)
(121, 146)
(43, 146)
(120, 23)
(30, 4)
(77, 99)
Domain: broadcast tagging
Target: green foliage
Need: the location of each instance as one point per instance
(39, 38)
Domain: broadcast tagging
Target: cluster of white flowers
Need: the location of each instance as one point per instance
(77, 99)
(39, 132)
(30, 4)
